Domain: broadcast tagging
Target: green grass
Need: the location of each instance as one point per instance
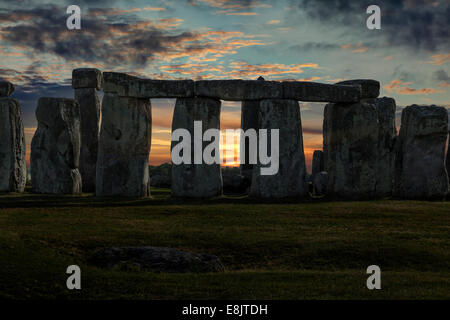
(271, 250)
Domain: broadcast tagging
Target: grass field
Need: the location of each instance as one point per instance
(284, 250)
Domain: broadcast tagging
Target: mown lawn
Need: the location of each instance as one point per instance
(271, 250)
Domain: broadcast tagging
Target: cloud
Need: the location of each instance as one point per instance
(418, 24)
(400, 87)
(442, 78)
(244, 70)
(439, 59)
(358, 48)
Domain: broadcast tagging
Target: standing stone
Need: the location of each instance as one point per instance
(249, 120)
(387, 135)
(448, 161)
(6, 88)
(420, 161)
(55, 148)
(350, 142)
(86, 82)
(124, 147)
(196, 180)
(290, 180)
(320, 183)
(13, 168)
(317, 162)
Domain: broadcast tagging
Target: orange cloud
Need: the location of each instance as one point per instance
(242, 69)
(400, 87)
(359, 48)
(439, 59)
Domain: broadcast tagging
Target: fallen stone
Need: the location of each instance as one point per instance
(90, 122)
(420, 171)
(320, 92)
(317, 162)
(154, 259)
(13, 167)
(196, 180)
(290, 181)
(55, 148)
(387, 135)
(87, 78)
(320, 183)
(124, 147)
(370, 88)
(6, 88)
(239, 90)
(350, 146)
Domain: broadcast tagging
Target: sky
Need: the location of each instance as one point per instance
(308, 40)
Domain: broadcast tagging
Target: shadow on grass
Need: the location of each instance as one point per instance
(159, 197)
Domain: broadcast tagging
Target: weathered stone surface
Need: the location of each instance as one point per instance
(148, 88)
(350, 140)
(129, 86)
(317, 162)
(55, 148)
(124, 147)
(154, 259)
(249, 120)
(370, 88)
(87, 78)
(13, 168)
(239, 90)
(387, 135)
(320, 183)
(6, 88)
(420, 162)
(290, 181)
(90, 121)
(448, 164)
(196, 180)
(320, 92)
(359, 148)
(113, 82)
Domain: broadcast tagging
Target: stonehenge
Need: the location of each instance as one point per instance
(420, 171)
(362, 157)
(290, 180)
(55, 148)
(85, 83)
(13, 168)
(124, 147)
(193, 180)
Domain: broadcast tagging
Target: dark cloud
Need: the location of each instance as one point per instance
(310, 46)
(419, 24)
(441, 76)
(101, 39)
